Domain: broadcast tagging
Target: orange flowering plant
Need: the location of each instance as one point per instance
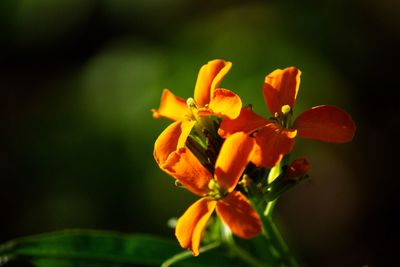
(237, 162)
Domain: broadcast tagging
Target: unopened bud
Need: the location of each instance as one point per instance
(298, 168)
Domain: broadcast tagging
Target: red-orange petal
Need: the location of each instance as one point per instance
(272, 143)
(236, 211)
(280, 88)
(188, 170)
(190, 226)
(208, 79)
(171, 107)
(224, 103)
(247, 122)
(326, 123)
(172, 138)
(233, 158)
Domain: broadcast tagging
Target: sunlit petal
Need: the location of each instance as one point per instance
(236, 211)
(171, 107)
(233, 158)
(280, 88)
(247, 121)
(208, 79)
(172, 138)
(225, 103)
(272, 143)
(326, 123)
(190, 226)
(188, 170)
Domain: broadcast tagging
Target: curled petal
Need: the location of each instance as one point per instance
(224, 103)
(236, 211)
(272, 142)
(233, 158)
(188, 170)
(171, 107)
(247, 122)
(190, 226)
(208, 79)
(172, 138)
(280, 88)
(326, 123)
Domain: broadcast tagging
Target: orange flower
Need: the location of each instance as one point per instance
(208, 100)
(275, 137)
(216, 191)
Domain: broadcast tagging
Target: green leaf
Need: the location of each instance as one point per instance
(100, 248)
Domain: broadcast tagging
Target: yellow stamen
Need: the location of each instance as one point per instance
(191, 103)
(215, 190)
(213, 185)
(192, 108)
(285, 109)
(246, 181)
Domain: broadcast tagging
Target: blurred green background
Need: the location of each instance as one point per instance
(78, 79)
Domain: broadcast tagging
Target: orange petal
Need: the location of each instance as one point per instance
(208, 79)
(247, 122)
(171, 107)
(280, 88)
(172, 138)
(236, 211)
(233, 158)
(187, 169)
(190, 226)
(225, 103)
(272, 142)
(326, 123)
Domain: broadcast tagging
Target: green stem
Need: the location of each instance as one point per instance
(269, 208)
(239, 252)
(271, 231)
(279, 243)
(245, 256)
(187, 254)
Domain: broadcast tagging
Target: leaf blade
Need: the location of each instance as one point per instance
(102, 248)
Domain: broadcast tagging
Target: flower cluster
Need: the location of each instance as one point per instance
(224, 152)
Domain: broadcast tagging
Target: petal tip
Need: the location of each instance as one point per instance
(155, 113)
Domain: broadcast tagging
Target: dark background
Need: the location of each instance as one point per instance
(78, 79)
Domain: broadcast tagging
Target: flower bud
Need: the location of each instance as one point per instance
(298, 168)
